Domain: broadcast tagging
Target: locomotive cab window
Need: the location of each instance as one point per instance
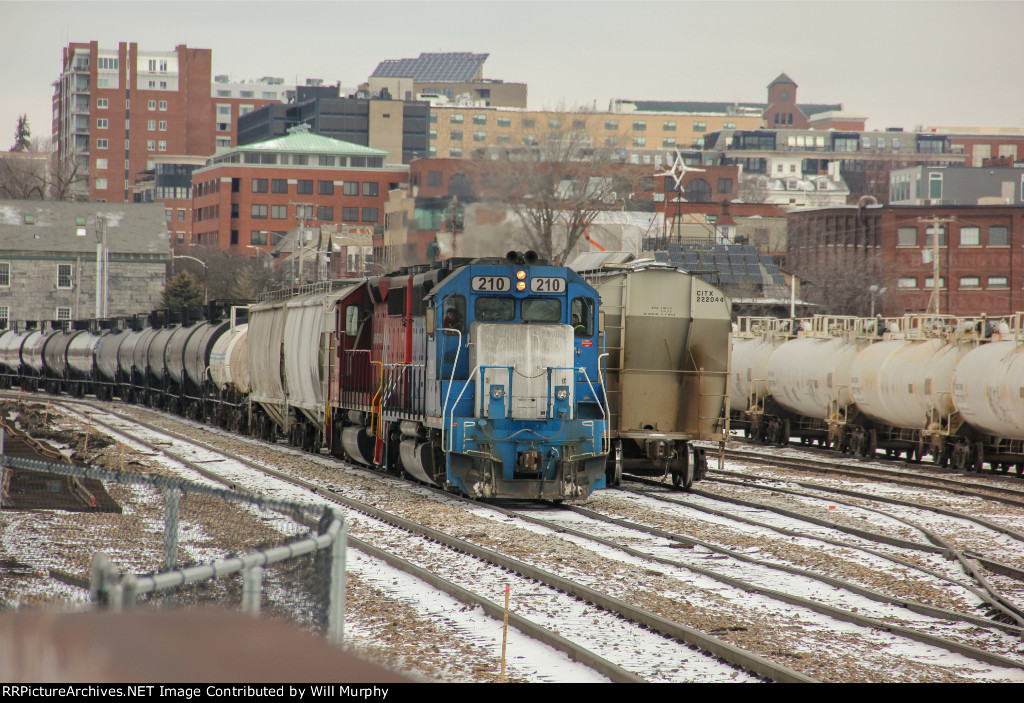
(582, 319)
(494, 309)
(542, 310)
(352, 317)
(454, 313)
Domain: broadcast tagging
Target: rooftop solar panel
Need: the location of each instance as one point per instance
(443, 68)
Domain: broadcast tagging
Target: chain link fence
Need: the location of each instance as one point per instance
(148, 540)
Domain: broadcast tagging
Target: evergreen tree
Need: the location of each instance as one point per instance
(22, 135)
(182, 290)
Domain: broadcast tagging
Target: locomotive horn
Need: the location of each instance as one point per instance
(532, 257)
(515, 257)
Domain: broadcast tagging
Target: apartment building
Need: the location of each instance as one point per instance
(116, 109)
(249, 197)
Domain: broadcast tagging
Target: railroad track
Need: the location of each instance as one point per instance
(581, 621)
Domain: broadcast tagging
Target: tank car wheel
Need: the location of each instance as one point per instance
(684, 473)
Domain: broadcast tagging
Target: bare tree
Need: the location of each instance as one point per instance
(556, 188)
(22, 178)
(69, 179)
(840, 281)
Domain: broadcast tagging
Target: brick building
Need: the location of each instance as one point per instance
(114, 110)
(981, 253)
(249, 197)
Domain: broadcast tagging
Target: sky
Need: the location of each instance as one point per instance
(900, 64)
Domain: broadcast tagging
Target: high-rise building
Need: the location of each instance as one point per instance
(116, 110)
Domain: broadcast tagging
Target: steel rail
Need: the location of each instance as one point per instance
(712, 645)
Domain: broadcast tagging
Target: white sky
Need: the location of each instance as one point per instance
(898, 63)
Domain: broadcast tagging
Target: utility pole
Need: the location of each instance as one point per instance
(934, 301)
(101, 267)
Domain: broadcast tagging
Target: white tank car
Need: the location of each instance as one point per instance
(753, 343)
(810, 375)
(988, 389)
(907, 379)
(229, 362)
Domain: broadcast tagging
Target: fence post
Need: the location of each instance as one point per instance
(336, 613)
(252, 580)
(172, 497)
(103, 578)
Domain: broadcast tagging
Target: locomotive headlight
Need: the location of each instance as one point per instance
(521, 275)
(497, 392)
(562, 393)
(521, 285)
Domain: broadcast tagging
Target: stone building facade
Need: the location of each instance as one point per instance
(49, 260)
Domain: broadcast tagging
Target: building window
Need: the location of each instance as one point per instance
(323, 160)
(640, 126)
(724, 185)
(929, 231)
(279, 212)
(669, 126)
(970, 282)
(102, 123)
(163, 105)
(929, 282)
(434, 179)
(432, 134)
(700, 127)
(479, 119)
(5, 274)
(102, 103)
(369, 214)
(970, 236)
(101, 184)
(151, 145)
(304, 188)
(350, 214)
(5, 317)
(998, 236)
(504, 121)
(304, 212)
(181, 215)
(935, 186)
(998, 282)
(639, 141)
(455, 152)
(529, 123)
(907, 282)
(479, 136)
(64, 275)
(257, 238)
(151, 125)
(611, 141)
(162, 146)
(554, 123)
(163, 125)
(259, 212)
(350, 188)
(370, 189)
(278, 185)
(325, 187)
(455, 135)
(325, 213)
(63, 314)
(260, 185)
(668, 143)
(457, 119)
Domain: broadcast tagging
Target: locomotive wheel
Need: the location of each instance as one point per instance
(613, 470)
